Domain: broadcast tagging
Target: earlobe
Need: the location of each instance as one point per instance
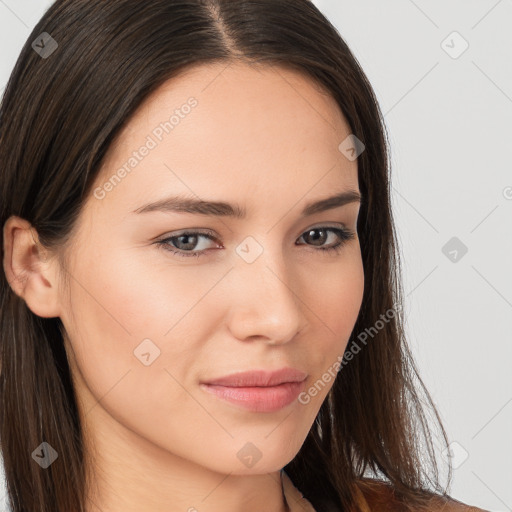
(28, 269)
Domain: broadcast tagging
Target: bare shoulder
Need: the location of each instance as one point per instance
(378, 496)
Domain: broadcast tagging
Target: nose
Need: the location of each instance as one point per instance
(263, 303)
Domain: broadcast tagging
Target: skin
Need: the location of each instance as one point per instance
(267, 139)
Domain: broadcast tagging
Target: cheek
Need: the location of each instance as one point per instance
(124, 306)
(139, 324)
(334, 303)
(334, 293)
(124, 301)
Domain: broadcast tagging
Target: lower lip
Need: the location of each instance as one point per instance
(258, 399)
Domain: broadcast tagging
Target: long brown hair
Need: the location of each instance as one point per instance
(58, 117)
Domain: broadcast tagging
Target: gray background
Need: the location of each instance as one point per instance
(448, 113)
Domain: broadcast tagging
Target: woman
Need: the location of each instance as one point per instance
(201, 305)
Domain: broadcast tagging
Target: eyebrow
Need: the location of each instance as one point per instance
(221, 209)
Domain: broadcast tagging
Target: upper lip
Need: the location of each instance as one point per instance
(261, 378)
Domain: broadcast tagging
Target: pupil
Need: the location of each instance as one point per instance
(322, 237)
(190, 245)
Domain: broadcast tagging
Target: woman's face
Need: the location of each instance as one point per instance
(146, 325)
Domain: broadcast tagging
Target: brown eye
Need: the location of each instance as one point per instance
(318, 237)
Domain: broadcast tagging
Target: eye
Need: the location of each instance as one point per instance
(187, 243)
(342, 234)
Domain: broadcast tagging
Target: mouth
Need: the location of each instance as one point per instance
(259, 390)
(258, 398)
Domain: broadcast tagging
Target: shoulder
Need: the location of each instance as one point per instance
(380, 496)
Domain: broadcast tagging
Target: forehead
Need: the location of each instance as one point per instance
(238, 129)
(235, 101)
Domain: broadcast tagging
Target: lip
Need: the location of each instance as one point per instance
(260, 390)
(259, 378)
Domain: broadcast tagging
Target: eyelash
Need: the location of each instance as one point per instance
(344, 235)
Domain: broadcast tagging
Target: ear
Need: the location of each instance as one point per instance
(29, 271)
